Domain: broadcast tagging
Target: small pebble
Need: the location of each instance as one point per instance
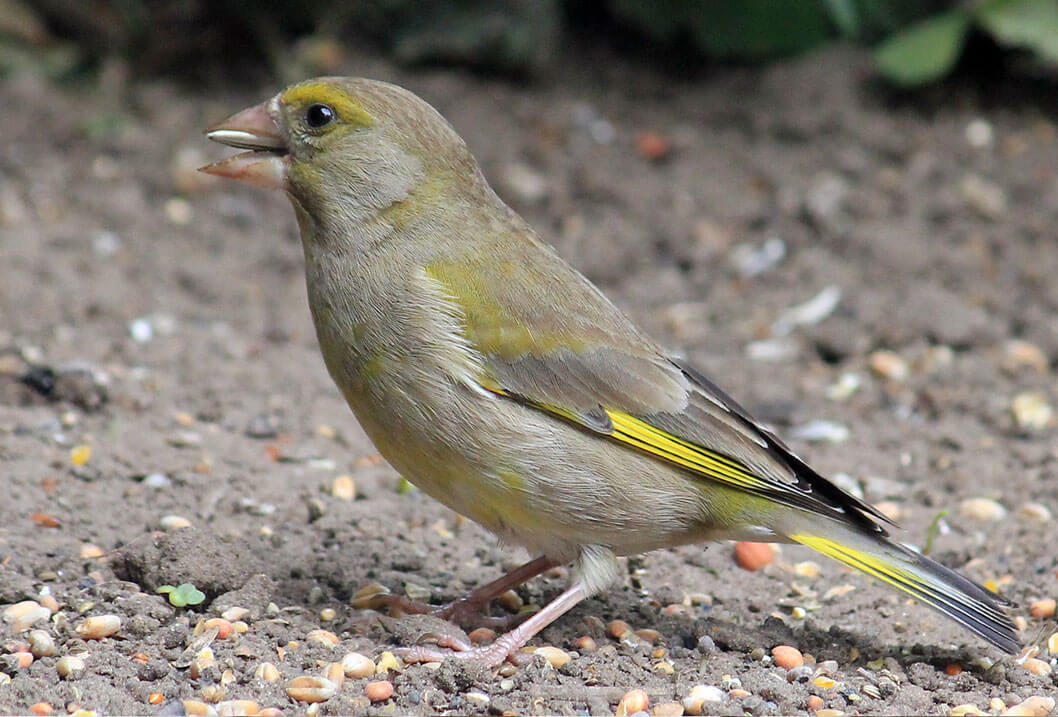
(1036, 706)
(213, 693)
(889, 365)
(586, 644)
(363, 598)
(379, 691)
(1042, 609)
(820, 431)
(1032, 411)
(311, 688)
(510, 601)
(356, 665)
(69, 667)
(801, 673)
(982, 509)
(846, 385)
(170, 523)
(787, 657)
(203, 661)
(618, 629)
(753, 556)
(266, 671)
(984, 196)
(322, 637)
(979, 133)
(891, 510)
(556, 656)
(41, 643)
(343, 488)
(98, 627)
(632, 702)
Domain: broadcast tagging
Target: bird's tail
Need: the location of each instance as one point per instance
(946, 591)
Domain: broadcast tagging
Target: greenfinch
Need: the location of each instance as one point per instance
(500, 381)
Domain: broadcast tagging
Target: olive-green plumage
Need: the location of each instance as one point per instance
(504, 384)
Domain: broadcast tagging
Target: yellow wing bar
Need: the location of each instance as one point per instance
(650, 439)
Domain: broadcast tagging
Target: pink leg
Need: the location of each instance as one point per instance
(506, 645)
(468, 609)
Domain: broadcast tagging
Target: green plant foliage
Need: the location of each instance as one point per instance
(1031, 24)
(183, 595)
(744, 30)
(925, 51)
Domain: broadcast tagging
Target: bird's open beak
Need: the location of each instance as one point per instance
(265, 165)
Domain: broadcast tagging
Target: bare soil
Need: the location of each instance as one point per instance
(159, 318)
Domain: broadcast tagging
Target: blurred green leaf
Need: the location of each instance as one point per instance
(925, 51)
(845, 15)
(1032, 24)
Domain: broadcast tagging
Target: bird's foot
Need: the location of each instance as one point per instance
(443, 648)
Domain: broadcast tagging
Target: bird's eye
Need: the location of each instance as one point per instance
(318, 116)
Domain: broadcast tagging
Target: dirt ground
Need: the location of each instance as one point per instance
(157, 360)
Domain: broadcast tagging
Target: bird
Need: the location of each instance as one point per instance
(500, 381)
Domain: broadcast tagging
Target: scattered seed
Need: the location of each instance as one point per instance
(966, 710)
(667, 709)
(952, 669)
(478, 698)
(587, 644)
(1037, 666)
(170, 523)
(41, 643)
(482, 635)
(23, 615)
(510, 601)
(364, 597)
(820, 431)
(982, 509)
(753, 556)
(1036, 706)
(23, 659)
(270, 712)
(1018, 353)
(738, 693)
(155, 698)
(202, 662)
(814, 702)
(787, 657)
(806, 569)
(890, 365)
(98, 627)
(1036, 511)
(328, 614)
(1032, 411)
(40, 708)
(846, 385)
(234, 708)
(1042, 609)
(80, 455)
(829, 712)
(69, 667)
(387, 661)
(824, 682)
(618, 629)
(310, 688)
(322, 637)
(996, 705)
(266, 671)
(224, 627)
(653, 146)
(343, 488)
(632, 702)
(334, 672)
(356, 665)
(379, 691)
(49, 601)
(213, 693)
(198, 708)
(235, 613)
(556, 656)
(1052, 644)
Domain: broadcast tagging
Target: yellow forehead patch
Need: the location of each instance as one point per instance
(348, 108)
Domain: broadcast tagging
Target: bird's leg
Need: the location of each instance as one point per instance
(467, 610)
(506, 645)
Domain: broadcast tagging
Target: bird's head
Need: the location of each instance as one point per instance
(345, 148)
